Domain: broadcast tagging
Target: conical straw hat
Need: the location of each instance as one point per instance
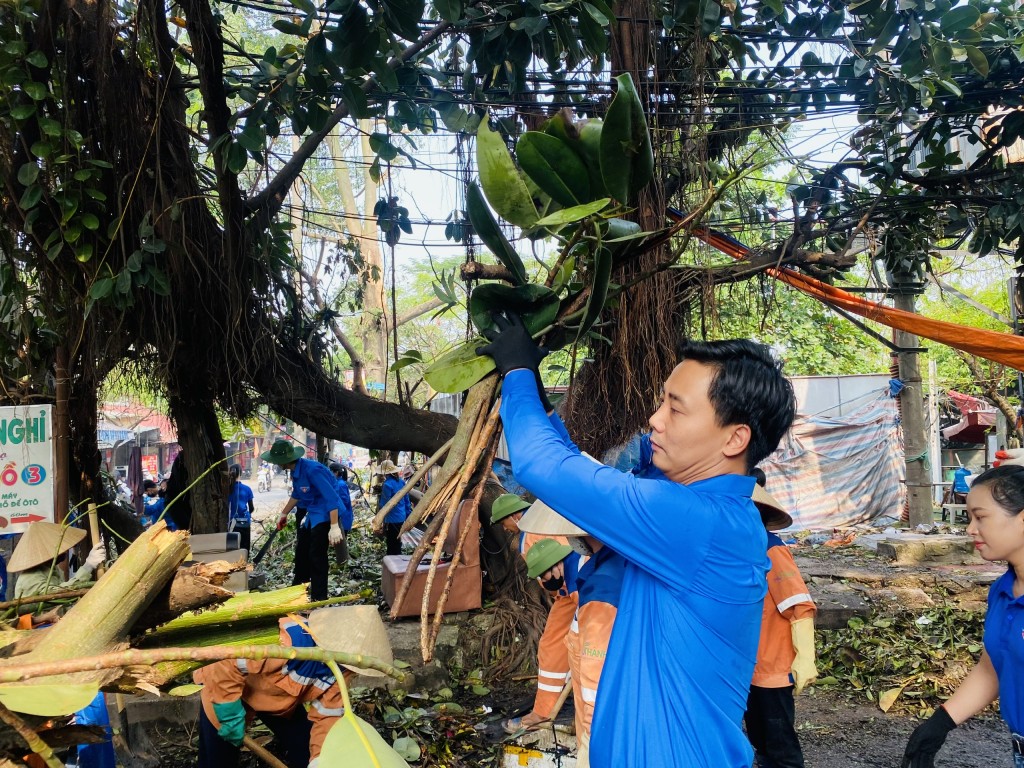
(41, 543)
(355, 629)
(540, 518)
(774, 517)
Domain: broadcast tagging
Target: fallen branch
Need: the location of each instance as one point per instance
(134, 657)
(262, 753)
(483, 434)
(21, 602)
(31, 738)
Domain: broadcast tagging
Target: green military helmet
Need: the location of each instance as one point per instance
(544, 555)
(505, 505)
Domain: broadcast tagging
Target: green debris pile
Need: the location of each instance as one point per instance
(908, 662)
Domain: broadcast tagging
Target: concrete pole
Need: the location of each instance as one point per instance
(915, 439)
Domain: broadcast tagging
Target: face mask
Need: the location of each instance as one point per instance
(553, 585)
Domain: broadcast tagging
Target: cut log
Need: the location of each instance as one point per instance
(101, 620)
(192, 589)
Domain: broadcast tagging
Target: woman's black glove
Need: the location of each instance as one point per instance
(927, 739)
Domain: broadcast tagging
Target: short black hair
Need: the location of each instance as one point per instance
(759, 476)
(747, 388)
(235, 469)
(1006, 484)
(147, 484)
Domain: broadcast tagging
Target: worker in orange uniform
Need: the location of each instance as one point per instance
(298, 700)
(785, 654)
(597, 583)
(552, 654)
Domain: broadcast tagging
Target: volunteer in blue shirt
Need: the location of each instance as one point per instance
(314, 490)
(394, 519)
(240, 506)
(995, 504)
(682, 652)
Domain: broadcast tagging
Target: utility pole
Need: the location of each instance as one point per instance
(915, 438)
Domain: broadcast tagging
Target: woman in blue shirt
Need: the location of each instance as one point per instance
(394, 519)
(240, 506)
(996, 507)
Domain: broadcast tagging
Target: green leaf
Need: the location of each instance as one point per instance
(598, 289)
(490, 233)
(48, 700)
(237, 157)
(354, 743)
(90, 221)
(288, 27)
(36, 91)
(185, 690)
(627, 158)
(407, 748)
(570, 215)
(27, 174)
(37, 59)
(505, 189)
(101, 288)
(978, 60)
(537, 304)
(961, 17)
(460, 369)
(449, 10)
(554, 167)
(23, 111)
(30, 199)
(409, 358)
(889, 31)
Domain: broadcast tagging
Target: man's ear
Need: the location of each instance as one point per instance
(738, 442)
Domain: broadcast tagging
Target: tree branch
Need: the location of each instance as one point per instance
(269, 200)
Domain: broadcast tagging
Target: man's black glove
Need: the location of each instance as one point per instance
(927, 739)
(512, 347)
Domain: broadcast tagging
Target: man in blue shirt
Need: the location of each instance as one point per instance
(682, 651)
(314, 490)
(240, 506)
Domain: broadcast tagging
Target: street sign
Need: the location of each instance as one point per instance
(26, 466)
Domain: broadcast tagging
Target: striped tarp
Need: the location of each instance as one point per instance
(838, 471)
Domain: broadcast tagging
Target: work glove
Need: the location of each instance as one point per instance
(231, 715)
(282, 521)
(97, 556)
(927, 739)
(335, 536)
(1009, 457)
(804, 672)
(511, 346)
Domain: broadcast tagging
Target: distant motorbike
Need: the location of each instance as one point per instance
(264, 482)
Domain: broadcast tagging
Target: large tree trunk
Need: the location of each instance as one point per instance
(203, 453)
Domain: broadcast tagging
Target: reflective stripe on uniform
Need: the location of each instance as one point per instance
(328, 711)
(553, 675)
(243, 666)
(589, 695)
(789, 602)
(551, 688)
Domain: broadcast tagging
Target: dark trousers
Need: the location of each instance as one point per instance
(311, 559)
(244, 536)
(771, 728)
(301, 562)
(292, 733)
(392, 535)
